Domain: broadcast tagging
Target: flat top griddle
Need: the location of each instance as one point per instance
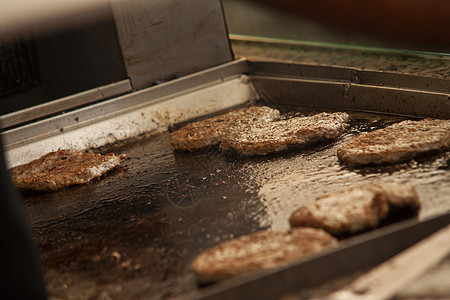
(133, 233)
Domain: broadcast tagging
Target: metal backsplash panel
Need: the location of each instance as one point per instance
(165, 39)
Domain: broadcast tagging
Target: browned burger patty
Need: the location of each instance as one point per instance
(396, 143)
(281, 135)
(355, 209)
(258, 251)
(210, 132)
(63, 168)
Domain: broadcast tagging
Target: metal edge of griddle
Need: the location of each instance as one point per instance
(353, 75)
(351, 89)
(122, 104)
(66, 103)
(357, 253)
(335, 94)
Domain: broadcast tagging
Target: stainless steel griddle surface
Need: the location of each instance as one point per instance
(133, 233)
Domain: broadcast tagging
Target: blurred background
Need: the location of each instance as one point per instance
(424, 26)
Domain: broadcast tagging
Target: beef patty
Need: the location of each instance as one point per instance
(63, 168)
(210, 132)
(357, 208)
(281, 135)
(396, 143)
(257, 251)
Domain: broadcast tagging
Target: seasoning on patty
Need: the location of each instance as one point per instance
(259, 251)
(62, 168)
(396, 143)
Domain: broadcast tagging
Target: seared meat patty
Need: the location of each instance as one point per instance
(210, 132)
(63, 168)
(396, 143)
(281, 135)
(258, 251)
(355, 209)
